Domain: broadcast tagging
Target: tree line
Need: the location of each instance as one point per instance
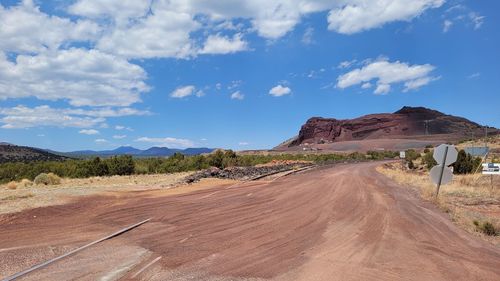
(127, 165)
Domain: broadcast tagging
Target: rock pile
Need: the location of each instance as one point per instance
(241, 173)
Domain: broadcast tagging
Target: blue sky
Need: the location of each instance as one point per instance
(90, 75)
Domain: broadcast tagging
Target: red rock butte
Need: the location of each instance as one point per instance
(415, 123)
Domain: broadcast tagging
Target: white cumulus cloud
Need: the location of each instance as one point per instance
(88, 132)
(237, 96)
(45, 116)
(279, 91)
(167, 142)
(24, 28)
(387, 73)
(359, 15)
(217, 44)
(83, 77)
(186, 91)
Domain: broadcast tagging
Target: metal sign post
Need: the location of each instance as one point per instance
(442, 170)
(445, 155)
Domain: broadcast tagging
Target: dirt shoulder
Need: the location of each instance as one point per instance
(34, 196)
(469, 200)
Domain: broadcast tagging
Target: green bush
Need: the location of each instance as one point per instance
(411, 155)
(121, 165)
(428, 160)
(47, 179)
(465, 163)
(486, 227)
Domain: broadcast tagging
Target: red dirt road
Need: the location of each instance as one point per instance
(333, 223)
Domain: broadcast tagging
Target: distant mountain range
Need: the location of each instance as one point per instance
(14, 153)
(154, 151)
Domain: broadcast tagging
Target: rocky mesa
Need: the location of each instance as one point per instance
(408, 122)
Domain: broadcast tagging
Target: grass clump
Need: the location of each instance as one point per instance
(12, 185)
(486, 227)
(47, 179)
(26, 183)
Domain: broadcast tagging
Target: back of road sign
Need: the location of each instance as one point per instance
(447, 174)
(451, 155)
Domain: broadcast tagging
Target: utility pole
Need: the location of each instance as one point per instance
(426, 122)
(485, 136)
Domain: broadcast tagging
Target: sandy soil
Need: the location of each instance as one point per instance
(346, 222)
(35, 196)
(466, 199)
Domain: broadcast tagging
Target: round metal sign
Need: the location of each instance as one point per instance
(451, 155)
(447, 174)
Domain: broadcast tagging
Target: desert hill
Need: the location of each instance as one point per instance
(419, 124)
(15, 153)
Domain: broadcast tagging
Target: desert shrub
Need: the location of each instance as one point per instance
(428, 160)
(380, 155)
(411, 165)
(121, 165)
(12, 185)
(486, 227)
(411, 155)
(216, 159)
(25, 183)
(54, 179)
(465, 163)
(42, 178)
(47, 179)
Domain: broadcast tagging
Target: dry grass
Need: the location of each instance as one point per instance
(12, 185)
(25, 183)
(468, 198)
(33, 196)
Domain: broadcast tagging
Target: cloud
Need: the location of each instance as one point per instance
(387, 73)
(366, 85)
(346, 64)
(476, 19)
(88, 132)
(119, 137)
(120, 128)
(360, 15)
(307, 37)
(217, 44)
(83, 77)
(25, 29)
(382, 89)
(167, 142)
(474, 75)
(101, 141)
(163, 28)
(186, 91)
(161, 34)
(243, 143)
(447, 25)
(464, 14)
(39, 116)
(279, 91)
(25, 117)
(237, 96)
(234, 84)
(119, 10)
